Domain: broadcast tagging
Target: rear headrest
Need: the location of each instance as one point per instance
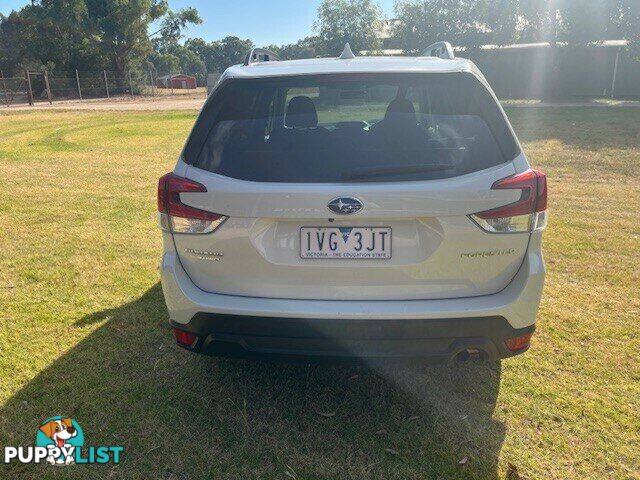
(401, 109)
(301, 113)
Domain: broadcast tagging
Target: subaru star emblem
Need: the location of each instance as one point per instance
(345, 205)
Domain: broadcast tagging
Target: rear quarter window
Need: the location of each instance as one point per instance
(356, 128)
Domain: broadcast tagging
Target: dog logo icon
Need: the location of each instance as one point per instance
(60, 435)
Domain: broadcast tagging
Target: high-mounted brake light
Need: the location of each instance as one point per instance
(175, 216)
(526, 214)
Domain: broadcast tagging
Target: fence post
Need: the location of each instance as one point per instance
(78, 82)
(29, 91)
(4, 89)
(171, 83)
(46, 85)
(106, 85)
(615, 74)
(130, 84)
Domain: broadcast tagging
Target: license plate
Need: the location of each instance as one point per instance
(345, 243)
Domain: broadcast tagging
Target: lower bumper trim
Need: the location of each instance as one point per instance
(310, 339)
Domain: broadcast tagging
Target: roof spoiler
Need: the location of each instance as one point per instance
(441, 50)
(258, 55)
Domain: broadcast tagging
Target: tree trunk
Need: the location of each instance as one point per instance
(120, 69)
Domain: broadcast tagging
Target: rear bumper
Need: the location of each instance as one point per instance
(360, 340)
(248, 326)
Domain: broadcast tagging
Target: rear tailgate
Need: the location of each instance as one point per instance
(437, 251)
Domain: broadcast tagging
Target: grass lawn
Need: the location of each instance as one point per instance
(83, 328)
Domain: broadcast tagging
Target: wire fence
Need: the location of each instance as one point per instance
(42, 86)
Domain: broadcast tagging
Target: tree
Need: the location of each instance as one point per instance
(628, 24)
(192, 64)
(308, 47)
(201, 48)
(464, 23)
(232, 51)
(178, 59)
(89, 34)
(173, 23)
(26, 40)
(169, 56)
(165, 63)
(119, 28)
(578, 22)
(355, 21)
(539, 21)
(220, 54)
(583, 22)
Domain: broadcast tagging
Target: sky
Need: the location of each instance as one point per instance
(264, 22)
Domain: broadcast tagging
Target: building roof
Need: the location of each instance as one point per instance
(316, 66)
(175, 75)
(527, 46)
(513, 46)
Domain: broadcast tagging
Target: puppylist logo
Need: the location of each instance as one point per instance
(60, 441)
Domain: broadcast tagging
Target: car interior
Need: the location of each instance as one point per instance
(274, 134)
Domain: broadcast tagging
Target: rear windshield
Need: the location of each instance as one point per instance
(362, 128)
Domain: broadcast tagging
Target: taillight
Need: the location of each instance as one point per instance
(177, 217)
(527, 214)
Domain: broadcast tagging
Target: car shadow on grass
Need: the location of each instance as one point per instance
(181, 415)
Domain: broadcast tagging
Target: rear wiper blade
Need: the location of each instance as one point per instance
(396, 170)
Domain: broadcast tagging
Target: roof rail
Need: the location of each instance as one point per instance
(257, 55)
(441, 50)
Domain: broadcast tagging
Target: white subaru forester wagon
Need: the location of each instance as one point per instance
(353, 208)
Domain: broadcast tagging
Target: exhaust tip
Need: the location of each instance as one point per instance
(469, 354)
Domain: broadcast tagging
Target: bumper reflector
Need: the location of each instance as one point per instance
(518, 343)
(186, 339)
